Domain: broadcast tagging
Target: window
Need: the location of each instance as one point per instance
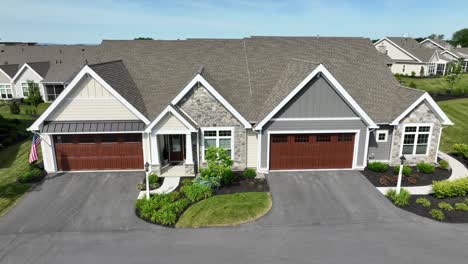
(218, 137)
(381, 136)
(25, 89)
(416, 139)
(280, 139)
(431, 69)
(323, 138)
(440, 69)
(5, 91)
(53, 91)
(301, 138)
(345, 137)
(404, 68)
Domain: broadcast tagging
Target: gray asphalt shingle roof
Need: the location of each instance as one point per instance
(10, 69)
(413, 47)
(65, 61)
(255, 74)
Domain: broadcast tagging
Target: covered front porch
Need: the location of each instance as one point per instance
(173, 144)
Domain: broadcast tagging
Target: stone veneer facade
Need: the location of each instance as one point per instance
(421, 114)
(207, 111)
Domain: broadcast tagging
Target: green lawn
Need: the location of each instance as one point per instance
(457, 110)
(226, 210)
(13, 163)
(436, 85)
(5, 111)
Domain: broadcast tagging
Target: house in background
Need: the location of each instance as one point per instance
(274, 103)
(51, 67)
(409, 57)
(448, 51)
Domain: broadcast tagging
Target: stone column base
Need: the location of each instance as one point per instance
(156, 169)
(189, 169)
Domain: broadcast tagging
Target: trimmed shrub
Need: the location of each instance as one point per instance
(228, 178)
(424, 202)
(437, 214)
(461, 149)
(407, 170)
(165, 216)
(461, 207)
(377, 166)
(443, 164)
(162, 209)
(249, 173)
(425, 168)
(153, 178)
(33, 175)
(196, 192)
(187, 182)
(445, 206)
(14, 108)
(445, 188)
(401, 199)
(211, 182)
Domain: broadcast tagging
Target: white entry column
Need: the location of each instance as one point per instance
(188, 149)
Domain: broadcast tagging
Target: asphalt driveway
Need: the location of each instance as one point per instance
(326, 217)
(327, 197)
(101, 201)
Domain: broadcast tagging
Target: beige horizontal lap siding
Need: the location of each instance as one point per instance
(25, 76)
(252, 148)
(393, 51)
(170, 122)
(91, 101)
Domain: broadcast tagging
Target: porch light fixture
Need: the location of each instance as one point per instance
(402, 162)
(147, 180)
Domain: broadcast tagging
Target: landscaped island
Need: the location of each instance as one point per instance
(217, 197)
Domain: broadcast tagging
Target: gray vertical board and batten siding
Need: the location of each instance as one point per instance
(380, 150)
(315, 125)
(317, 99)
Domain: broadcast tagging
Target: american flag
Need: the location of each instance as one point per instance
(34, 155)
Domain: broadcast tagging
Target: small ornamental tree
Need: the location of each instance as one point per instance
(421, 72)
(34, 96)
(454, 74)
(219, 164)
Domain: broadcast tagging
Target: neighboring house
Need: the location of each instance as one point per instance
(448, 51)
(51, 67)
(410, 57)
(274, 103)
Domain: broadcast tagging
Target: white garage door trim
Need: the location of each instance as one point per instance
(355, 152)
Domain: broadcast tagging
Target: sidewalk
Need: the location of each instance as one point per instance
(458, 171)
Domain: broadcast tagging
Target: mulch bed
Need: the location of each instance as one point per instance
(454, 216)
(460, 159)
(242, 184)
(416, 179)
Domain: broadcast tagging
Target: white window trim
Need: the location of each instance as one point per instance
(417, 133)
(11, 90)
(378, 132)
(27, 87)
(355, 153)
(217, 129)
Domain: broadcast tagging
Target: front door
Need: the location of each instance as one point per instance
(176, 148)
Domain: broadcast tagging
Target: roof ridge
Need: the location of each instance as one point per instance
(106, 62)
(308, 61)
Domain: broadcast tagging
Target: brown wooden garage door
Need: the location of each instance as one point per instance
(98, 152)
(311, 151)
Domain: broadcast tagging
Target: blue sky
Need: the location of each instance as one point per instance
(85, 21)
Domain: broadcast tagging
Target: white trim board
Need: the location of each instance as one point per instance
(398, 47)
(381, 131)
(432, 104)
(8, 76)
(170, 109)
(340, 89)
(199, 79)
(316, 119)
(355, 151)
(21, 70)
(85, 71)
